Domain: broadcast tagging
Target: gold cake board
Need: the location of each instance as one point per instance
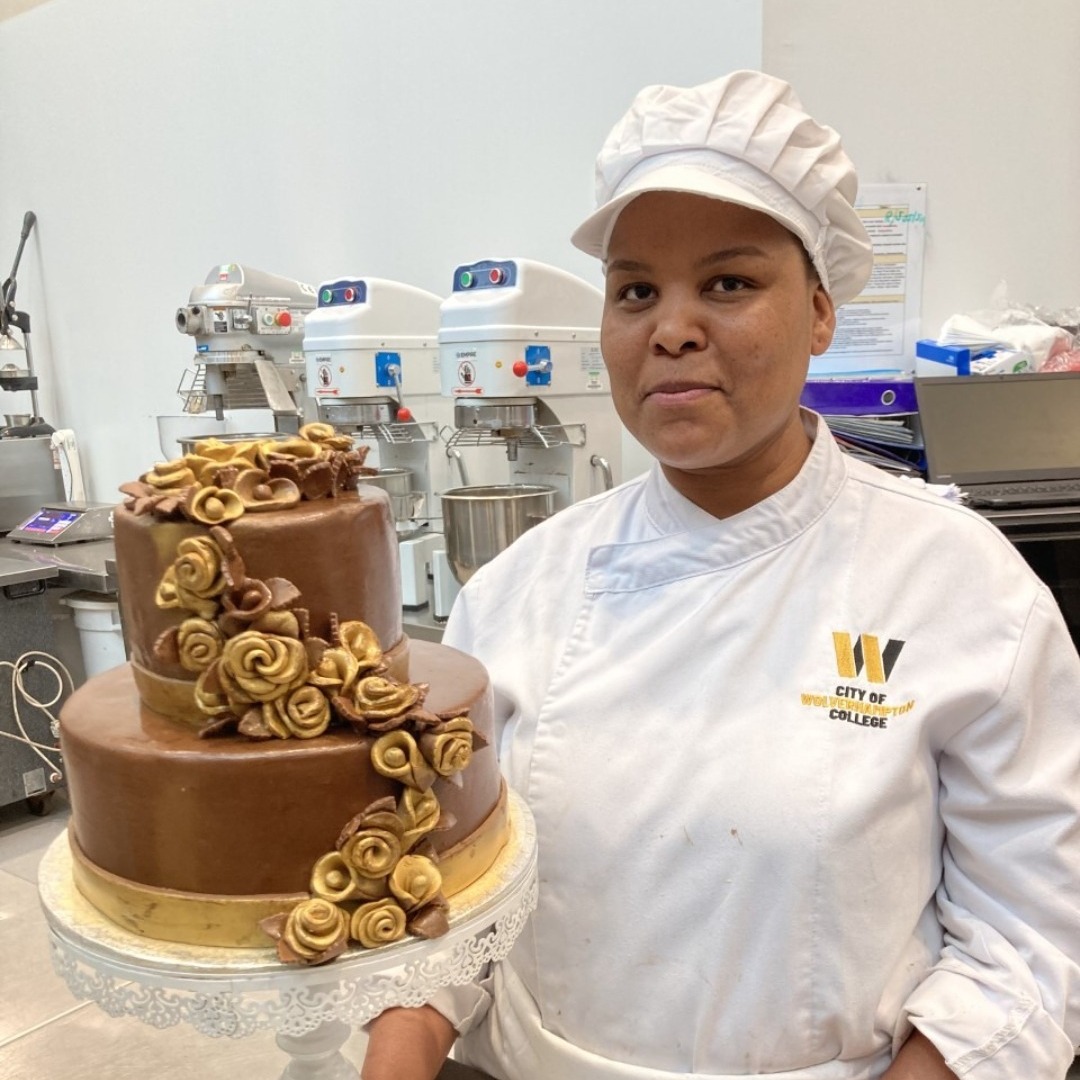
(233, 921)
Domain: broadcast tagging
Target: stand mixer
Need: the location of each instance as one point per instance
(519, 353)
(248, 327)
(373, 369)
(30, 472)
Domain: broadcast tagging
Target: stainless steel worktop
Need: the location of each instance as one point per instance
(87, 566)
(19, 572)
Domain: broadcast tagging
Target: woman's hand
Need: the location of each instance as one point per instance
(918, 1060)
(407, 1044)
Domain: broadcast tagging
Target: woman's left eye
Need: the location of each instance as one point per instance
(728, 284)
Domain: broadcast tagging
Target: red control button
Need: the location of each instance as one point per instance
(496, 275)
(349, 295)
(520, 369)
(404, 415)
(283, 318)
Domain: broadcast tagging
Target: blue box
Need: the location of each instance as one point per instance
(956, 356)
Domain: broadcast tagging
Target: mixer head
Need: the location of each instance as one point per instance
(248, 327)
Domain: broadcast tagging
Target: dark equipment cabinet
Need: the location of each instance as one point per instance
(1049, 540)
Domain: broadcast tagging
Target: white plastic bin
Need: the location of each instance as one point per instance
(97, 619)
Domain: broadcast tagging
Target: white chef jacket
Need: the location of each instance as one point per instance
(802, 777)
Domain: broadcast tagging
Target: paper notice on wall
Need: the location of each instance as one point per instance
(876, 332)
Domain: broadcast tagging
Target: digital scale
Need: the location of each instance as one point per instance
(65, 523)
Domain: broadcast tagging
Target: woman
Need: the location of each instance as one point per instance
(799, 738)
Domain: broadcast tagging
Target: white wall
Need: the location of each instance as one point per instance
(978, 98)
(309, 138)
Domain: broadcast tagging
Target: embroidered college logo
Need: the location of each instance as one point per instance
(859, 661)
(853, 657)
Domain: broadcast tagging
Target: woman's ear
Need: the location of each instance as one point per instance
(824, 327)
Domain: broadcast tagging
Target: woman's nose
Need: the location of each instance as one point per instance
(678, 330)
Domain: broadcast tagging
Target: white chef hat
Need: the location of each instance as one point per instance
(743, 138)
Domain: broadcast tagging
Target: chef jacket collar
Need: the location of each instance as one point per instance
(682, 541)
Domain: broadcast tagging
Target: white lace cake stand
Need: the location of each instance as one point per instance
(237, 992)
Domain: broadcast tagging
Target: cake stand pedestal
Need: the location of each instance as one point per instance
(237, 992)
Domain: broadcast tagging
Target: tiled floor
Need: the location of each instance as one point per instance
(45, 1034)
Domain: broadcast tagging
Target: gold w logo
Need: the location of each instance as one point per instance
(852, 657)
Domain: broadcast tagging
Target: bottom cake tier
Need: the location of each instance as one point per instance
(196, 839)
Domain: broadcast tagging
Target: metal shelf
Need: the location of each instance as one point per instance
(542, 438)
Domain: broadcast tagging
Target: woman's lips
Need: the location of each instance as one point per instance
(678, 395)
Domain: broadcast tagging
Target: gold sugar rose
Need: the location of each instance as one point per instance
(304, 713)
(262, 667)
(378, 923)
(316, 931)
(199, 644)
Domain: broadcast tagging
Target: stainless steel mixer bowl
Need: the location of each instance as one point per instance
(16, 419)
(481, 521)
(405, 504)
(393, 479)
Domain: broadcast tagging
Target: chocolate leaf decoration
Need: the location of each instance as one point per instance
(274, 925)
(422, 719)
(225, 476)
(283, 593)
(425, 847)
(285, 467)
(313, 646)
(166, 647)
(347, 711)
(388, 723)
(317, 481)
(168, 505)
(430, 921)
(219, 725)
(254, 726)
(232, 566)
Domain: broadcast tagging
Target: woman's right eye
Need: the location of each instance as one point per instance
(637, 291)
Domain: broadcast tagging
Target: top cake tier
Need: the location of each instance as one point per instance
(341, 554)
(268, 535)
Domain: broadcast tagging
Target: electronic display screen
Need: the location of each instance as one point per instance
(49, 522)
(994, 428)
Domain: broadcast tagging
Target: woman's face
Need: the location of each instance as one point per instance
(711, 315)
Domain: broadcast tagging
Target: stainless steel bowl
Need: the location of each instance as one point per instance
(481, 521)
(405, 504)
(393, 480)
(16, 419)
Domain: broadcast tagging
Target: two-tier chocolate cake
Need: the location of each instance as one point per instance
(277, 761)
